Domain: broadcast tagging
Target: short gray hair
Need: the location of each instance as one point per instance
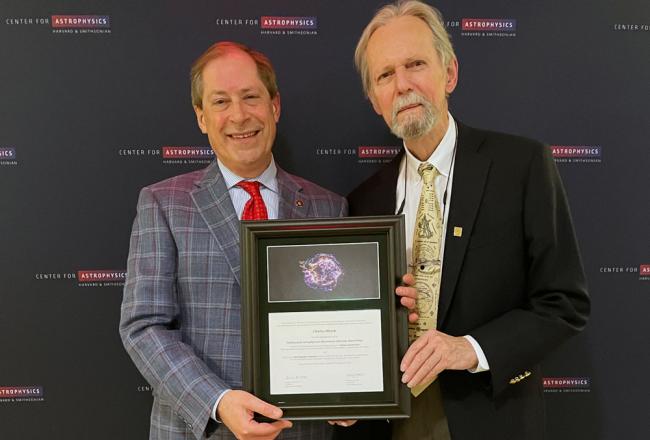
(430, 15)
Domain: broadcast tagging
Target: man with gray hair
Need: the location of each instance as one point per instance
(492, 250)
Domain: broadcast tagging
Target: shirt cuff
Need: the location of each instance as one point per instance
(216, 404)
(482, 360)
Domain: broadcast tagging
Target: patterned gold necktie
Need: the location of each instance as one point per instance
(427, 238)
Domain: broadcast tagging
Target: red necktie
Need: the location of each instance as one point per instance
(255, 209)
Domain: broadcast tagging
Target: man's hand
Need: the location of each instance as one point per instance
(236, 410)
(408, 296)
(434, 352)
(345, 423)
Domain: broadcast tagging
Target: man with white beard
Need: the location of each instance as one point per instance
(492, 251)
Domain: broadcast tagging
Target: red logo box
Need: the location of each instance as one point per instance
(170, 152)
(368, 151)
(81, 21)
(89, 276)
(644, 269)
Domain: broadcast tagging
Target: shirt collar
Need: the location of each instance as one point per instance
(440, 158)
(268, 178)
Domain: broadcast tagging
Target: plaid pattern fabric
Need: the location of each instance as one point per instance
(180, 319)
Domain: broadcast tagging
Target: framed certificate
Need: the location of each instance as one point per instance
(323, 331)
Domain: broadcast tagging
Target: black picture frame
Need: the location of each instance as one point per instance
(261, 239)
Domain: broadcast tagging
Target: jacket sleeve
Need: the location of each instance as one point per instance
(149, 322)
(556, 304)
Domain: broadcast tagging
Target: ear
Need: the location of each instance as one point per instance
(200, 119)
(452, 76)
(275, 104)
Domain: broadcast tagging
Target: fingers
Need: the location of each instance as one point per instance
(412, 351)
(421, 362)
(266, 409)
(263, 430)
(432, 353)
(280, 425)
(415, 375)
(408, 296)
(344, 423)
(408, 279)
(409, 303)
(407, 292)
(236, 410)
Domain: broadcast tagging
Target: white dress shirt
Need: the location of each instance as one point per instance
(268, 189)
(409, 186)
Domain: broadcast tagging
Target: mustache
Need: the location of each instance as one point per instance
(406, 100)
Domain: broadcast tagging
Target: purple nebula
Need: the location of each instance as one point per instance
(322, 272)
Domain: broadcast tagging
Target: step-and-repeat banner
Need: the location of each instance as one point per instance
(95, 104)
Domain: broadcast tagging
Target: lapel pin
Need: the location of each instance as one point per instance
(299, 203)
(458, 231)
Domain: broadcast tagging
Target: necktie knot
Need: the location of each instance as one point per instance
(252, 187)
(255, 209)
(428, 172)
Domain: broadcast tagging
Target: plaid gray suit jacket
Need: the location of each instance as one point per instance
(180, 319)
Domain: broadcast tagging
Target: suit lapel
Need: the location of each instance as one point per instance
(213, 203)
(470, 173)
(293, 202)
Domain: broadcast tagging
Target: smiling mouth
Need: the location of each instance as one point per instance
(246, 135)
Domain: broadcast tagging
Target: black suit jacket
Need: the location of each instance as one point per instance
(513, 280)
